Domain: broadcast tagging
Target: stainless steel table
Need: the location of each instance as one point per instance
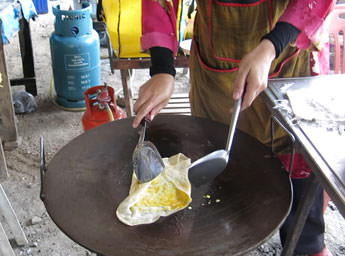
(322, 148)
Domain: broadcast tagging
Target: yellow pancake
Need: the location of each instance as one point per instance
(168, 193)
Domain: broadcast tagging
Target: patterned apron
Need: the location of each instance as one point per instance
(224, 32)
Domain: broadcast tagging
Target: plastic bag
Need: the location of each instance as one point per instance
(23, 102)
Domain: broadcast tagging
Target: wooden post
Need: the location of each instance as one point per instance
(5, 246)
(3, 166)
(8, 213)
(8, 127)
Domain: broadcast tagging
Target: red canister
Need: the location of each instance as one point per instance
(101, 107)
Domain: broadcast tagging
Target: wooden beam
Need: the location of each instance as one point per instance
(181, 61)
(3, 165)
(8, 127)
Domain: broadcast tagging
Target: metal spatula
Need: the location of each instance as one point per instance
(147, 162)
(208, 167)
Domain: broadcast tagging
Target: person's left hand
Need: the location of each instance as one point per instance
(253, 73)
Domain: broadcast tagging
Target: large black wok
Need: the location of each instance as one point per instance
(87, 179)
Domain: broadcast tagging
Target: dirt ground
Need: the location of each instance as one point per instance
(58, 127)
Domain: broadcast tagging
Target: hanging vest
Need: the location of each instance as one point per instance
(123, 19)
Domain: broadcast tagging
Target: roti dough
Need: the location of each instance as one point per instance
(168, 193)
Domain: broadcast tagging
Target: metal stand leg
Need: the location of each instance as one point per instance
(100, 26)
(300, 217)
(110, 51)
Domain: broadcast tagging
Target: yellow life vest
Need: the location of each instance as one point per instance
(123, 19)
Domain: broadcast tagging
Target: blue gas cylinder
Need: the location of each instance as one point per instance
(75, 53)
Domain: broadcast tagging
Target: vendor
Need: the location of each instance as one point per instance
(237, 46)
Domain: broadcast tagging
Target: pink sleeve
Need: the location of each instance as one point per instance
(308, 16)
(159, 25)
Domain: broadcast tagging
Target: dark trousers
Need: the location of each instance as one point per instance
(311, 240)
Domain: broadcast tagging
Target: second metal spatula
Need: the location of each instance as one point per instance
(147, 162)
(208, 167)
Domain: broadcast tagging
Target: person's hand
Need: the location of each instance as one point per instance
(153, 96)
(253, 73)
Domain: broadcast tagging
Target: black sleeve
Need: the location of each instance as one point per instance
(282, 34)
(162, 61)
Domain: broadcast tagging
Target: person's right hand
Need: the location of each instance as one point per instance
(153, 96)
(252, 75)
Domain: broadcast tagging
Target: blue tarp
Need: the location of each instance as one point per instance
(10, 15)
